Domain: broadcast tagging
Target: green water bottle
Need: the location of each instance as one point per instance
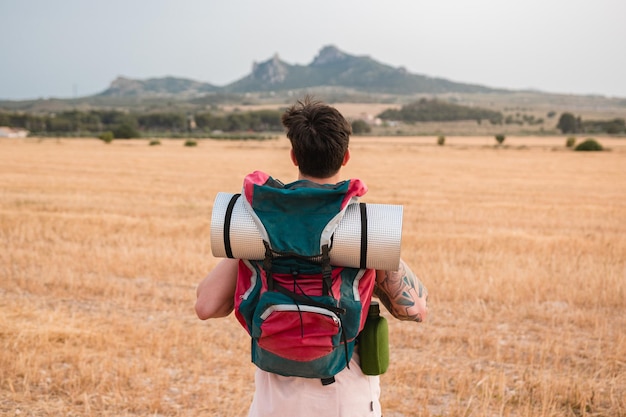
(374, 342)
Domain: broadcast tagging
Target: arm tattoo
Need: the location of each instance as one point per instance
(403, 294)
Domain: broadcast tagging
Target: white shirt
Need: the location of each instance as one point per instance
(353, 394)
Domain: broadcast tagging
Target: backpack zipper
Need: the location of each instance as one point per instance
(292, 307)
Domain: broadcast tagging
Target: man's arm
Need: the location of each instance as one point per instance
(402, 293)
(216, 293)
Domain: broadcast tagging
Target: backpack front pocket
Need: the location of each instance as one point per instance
(298, 332)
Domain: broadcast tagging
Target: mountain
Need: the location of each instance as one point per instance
(330, 68)
(157, 87)
(332, 75)
(335, 68)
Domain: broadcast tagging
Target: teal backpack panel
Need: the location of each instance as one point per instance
(294, 216)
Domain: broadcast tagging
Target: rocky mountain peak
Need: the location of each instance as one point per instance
(328, 55)
(123, 82)
(272, 71)
(125, 86)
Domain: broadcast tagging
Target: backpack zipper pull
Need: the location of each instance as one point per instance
(294, 276)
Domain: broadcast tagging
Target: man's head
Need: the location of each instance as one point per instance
(319, 137)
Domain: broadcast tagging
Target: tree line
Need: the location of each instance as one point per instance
(568, 123)
(434, 110)
(129, 125)
(179, 123)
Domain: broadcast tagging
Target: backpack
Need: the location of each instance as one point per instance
(302, 313)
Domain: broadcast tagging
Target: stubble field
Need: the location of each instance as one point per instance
(522, 247)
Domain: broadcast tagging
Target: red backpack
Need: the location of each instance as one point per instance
(302, 313)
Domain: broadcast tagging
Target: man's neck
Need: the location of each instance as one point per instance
(334, 179)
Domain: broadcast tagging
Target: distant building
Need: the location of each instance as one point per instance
(12, 132)
(371, 120)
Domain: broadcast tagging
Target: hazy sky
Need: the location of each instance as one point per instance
(77, 47)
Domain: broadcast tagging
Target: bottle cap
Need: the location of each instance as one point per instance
(374, 309)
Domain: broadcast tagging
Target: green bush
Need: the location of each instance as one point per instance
(191, 142)
(568, 123)
(125, 131)
(360, 127)
(500, 139)
(154, 142)
(106, 137)
(589, 145)
(441, 140)
(570, 142)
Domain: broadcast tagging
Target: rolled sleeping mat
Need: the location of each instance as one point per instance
(368, 236)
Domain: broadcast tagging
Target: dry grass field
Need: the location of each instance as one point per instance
(523, 249)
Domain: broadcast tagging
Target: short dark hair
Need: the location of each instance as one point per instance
(319, 137)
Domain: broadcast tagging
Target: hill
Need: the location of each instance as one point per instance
(168, 86)
(330, 68)
(333, 76)
(335, 68)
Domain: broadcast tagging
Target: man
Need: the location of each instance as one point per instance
(319, 137)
